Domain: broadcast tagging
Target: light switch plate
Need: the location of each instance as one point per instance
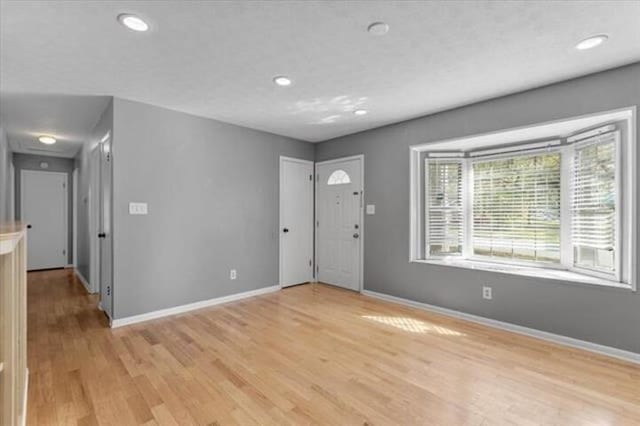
(371, 209)
(137, 208)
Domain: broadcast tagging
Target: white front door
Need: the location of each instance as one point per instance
(43, 199)
(296, 221)
(339, 222)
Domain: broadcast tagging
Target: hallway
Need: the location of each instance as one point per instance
(310, 354)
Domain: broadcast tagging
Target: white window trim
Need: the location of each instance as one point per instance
(418, 239)
(617, 276)
(526, 271)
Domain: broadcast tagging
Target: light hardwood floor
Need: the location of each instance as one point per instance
(311, 354)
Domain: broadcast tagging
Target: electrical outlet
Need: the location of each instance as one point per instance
(487, 293)
(233, 274)
(138, 208)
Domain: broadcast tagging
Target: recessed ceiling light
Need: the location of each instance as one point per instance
(360, 112)
(591, 42)
(378, 28)
(47, 140)
(133, 22)
(281, 80)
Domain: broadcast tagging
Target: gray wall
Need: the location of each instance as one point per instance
(56, 164)
(212, 190)
(597, 314)
(5, 161)
(82, 160)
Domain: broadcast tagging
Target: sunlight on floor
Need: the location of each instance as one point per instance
(412, 325)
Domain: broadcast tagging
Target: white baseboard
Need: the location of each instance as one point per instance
(84, 282)
(531, 332)
(191, 306)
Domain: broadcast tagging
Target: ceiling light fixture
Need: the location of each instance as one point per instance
(378, 28)
(281, 80)
(47, 140)
(133, 22)
(360, 112)
(591, 42)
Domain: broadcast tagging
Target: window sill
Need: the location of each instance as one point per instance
(527, 271)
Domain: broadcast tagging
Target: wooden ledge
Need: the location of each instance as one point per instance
(10, 235)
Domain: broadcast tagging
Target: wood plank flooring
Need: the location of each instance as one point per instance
(310, 354)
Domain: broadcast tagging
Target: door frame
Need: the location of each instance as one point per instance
(93, 222)
(284, 159)
(359, 157)
(74, 218)
(23, 173)
(12, 191)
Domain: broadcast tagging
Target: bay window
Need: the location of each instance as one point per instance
(550, 205)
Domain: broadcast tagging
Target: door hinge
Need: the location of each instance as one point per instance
(318, 177)
(64, 252)
(317, 268)
(318, 224)
(311, 177)
(309, 262)
(64, 185)
(108, 290)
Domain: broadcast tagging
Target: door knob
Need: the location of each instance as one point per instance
(285, 230)
(102, 235)
(29, 226)
(356, 235)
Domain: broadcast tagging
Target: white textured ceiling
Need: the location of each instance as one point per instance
(216, 59)
(70, 119)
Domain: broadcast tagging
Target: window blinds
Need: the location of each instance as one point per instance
(516, 208)
(593, 203)
(444, 206)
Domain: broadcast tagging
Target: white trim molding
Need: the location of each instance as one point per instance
(115, 323)
(531, 332)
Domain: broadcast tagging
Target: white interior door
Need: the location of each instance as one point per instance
(296, 221)
(339, 202)
(43, 198)
(105, 234)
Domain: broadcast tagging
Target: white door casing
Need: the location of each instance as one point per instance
(296, 221)
(75, 218)
(43, 205)
(93, 201)
(339, 222)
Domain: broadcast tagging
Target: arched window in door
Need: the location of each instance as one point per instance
(339, 177)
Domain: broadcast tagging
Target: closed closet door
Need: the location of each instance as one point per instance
(296, 221)
(44, 208)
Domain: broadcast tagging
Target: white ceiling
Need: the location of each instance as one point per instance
(70, 119)
(217, 59)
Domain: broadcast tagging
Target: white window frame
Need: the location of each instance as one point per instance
(469, 212)
(617, 275)
(626, 204)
